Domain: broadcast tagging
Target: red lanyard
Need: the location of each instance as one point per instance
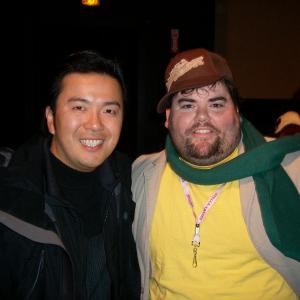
(210, 202)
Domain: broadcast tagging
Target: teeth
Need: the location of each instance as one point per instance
(202, 131)
(91, 143)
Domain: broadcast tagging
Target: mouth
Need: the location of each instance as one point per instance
(202, 131)
(92, 143)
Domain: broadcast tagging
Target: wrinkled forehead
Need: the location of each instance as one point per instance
(217, 87)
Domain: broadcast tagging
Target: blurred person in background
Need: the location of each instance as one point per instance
(287, 124)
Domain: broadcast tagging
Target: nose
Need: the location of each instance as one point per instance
(94, 121)
(202, 114)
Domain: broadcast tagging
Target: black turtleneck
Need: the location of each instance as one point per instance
(84, 192)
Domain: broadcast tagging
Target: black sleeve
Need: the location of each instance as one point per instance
(7, 278)
(19, 259)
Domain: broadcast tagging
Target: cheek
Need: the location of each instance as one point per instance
(228, 120)
(66, 124)
(231, 127)
(181, 123)
(115, 128)
(236, 120)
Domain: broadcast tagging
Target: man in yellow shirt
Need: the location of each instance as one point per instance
(217, 211)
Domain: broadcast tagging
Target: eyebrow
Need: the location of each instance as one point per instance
(191, 100)
(185, 100)
(217, 98)
(105, 103)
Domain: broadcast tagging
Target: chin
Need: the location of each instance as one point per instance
(91, 165)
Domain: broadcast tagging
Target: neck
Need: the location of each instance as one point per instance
(232, 155)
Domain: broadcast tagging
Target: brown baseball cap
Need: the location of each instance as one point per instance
(193, 68)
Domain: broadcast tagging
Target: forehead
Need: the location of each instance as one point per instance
(206, 92)
(90, 79)
(90, 86)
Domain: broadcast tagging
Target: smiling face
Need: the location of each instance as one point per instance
(87, 121)
(204, 124)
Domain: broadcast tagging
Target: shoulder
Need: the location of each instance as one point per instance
(291, 161)
(291, 165)
(20, 195)
(20, 199)
(148, 163)
(147, 160)
(5, 156)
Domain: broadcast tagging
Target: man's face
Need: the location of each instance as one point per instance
(86, 124)
(204, 124)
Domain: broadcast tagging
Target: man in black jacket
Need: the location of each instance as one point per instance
(65, 200)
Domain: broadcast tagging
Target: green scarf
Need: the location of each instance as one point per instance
(278, 197)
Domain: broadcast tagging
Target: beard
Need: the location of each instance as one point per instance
(204, 155)
(202, 152)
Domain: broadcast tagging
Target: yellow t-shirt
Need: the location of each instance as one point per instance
(229, 267)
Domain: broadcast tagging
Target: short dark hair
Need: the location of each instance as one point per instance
(229, 84)
(233, 90)
(85, 61)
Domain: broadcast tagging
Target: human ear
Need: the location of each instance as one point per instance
(167, 117)
(50, 119)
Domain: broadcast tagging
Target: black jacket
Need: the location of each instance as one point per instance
(40, 248)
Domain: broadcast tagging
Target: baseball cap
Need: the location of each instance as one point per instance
(193, 68)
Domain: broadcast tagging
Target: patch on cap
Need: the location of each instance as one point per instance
(183, 67)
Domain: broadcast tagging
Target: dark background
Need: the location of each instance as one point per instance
(136, 33)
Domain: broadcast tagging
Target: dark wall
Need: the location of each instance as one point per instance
(263, 113)
(136, 34)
